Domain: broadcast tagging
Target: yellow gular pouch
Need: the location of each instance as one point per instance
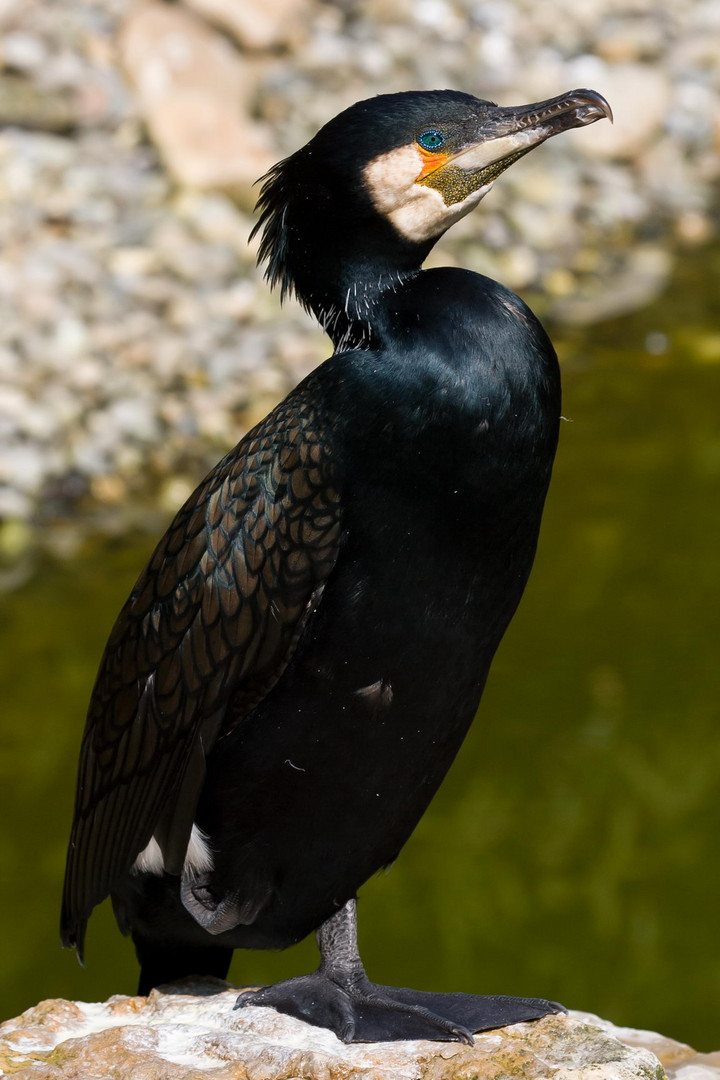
(455, 183)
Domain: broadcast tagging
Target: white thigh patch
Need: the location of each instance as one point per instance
(198, 858)
(150, 860)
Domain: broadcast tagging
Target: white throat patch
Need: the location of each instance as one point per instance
(417, 211)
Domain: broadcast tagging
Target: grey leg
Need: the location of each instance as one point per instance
(337, 942)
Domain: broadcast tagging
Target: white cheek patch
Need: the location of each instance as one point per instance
(391, 177)
(198, 858)
(417, 211)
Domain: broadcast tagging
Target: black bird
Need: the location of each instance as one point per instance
(298, 664)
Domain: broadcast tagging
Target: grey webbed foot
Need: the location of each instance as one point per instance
(367, 1012)
(339, 996)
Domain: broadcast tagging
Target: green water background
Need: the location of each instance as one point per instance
(573, 851)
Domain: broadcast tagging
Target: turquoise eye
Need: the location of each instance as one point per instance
(431, 139)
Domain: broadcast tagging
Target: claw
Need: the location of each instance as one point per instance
(347, 1033)
(248, 997)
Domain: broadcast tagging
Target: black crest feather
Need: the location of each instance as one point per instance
(273, 205)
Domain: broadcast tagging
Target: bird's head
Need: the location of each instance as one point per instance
(383, 180)
(450, 148)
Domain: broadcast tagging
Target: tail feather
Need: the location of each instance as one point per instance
(72, 934)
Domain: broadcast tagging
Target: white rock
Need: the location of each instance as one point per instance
(9, 10)
(183, 1036)
(70, 339)
(23, 50)
(14, 504)
(135, 417)
(24, 465)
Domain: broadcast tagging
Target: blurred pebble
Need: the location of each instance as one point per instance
(656, 343)
(174, 492)
(23, 51)
(259, 24)
(138, 339)
(108, 489)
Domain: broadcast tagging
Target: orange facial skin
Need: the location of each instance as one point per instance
(431, 161)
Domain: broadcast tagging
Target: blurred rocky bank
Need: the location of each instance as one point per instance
(138, 340)
(176, 1036)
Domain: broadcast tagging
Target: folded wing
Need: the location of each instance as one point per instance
(207, 631)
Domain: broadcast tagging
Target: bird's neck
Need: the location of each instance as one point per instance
(339, 256)
(343, 267)
(348, 301)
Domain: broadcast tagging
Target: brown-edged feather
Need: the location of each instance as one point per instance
(207, 631)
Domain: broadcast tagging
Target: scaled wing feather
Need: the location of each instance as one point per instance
(207, 631)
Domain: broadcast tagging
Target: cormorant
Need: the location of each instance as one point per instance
(299, 662)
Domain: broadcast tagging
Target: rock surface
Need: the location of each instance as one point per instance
(174, 1036)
